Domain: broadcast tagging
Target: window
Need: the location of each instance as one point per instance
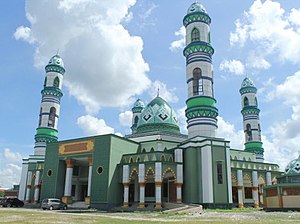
(136, 119)
(99, 170)
(249, 132)
(195, 35)
(220, 173)
(45, 81)
(40, 119)
(49, 173)
(197, 82)
(256, 104)
(208, 37)
(246, 102)
(56, 82)
(248, 192)
(51, 121)
(259, 132)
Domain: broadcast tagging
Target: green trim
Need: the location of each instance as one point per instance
(196, 17)
(194, 48)
(55, 68)
(201, 100)
(52, 92)
(46, 131)
(255, 147)
(248, 90)
(250, 110)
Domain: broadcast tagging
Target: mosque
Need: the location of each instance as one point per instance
(155, 164)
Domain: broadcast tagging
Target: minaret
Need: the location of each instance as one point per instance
(50, 105)
(251, 122)
(201, 109)
(136, 113)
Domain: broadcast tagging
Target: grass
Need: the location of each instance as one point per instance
(244, 216)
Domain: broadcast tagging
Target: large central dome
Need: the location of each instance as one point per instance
(158, 116)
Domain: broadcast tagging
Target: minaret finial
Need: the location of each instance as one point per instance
(57, 51)
(158, 92)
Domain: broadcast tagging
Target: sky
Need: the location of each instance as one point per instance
(116, 51)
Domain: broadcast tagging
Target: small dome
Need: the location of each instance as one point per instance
(158, 116)
(56, 60)
(247, 82)
(293, 167)
(139, 103)
(196, 7)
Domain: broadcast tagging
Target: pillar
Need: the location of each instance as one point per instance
(269, 179)
(126, 195)
(240, 188)
(28, 186)
(142, 195)
(179, 192)
(255, 189)
(88, 197)
(126, 186)
(158, 195)
(68, 182)
(158, 181)
(142, 185)
(37, 186)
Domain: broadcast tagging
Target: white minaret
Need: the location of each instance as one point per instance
(201, 109)
(251, 121)
(136, 113)
(50, 105)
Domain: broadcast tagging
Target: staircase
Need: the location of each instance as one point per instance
(78, 205)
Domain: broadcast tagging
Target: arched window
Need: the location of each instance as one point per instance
(45, 81)
(136, 119)
(249, 132)
(40, 120)
(51, 121)
(195, 35)
(56, 82)
(197, 82)
(256, 104)
(259, 132)
(246, 101)
(208, 37)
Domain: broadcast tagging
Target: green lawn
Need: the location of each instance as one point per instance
(247, 216)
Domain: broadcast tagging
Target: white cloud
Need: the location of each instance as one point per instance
(182, 120)
(9, 175)
(24, 33)
(229, 132)
(94, 126)
(178, 44)
(12, 156)
(104, 63)
(125, 118)
(271, 29)
(233, 66)
(165, 93)
(257, 61)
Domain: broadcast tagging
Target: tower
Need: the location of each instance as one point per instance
(201, 111)
(251, 121)
(136, 113)
(50, 105)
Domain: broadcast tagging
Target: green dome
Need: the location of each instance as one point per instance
(247, 82)
(158, 116)
(139, 103)
(196, 7)
(293, 167)
(56, 60)
(55, 64)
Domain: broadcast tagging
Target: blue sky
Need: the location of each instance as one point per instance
(116, 51)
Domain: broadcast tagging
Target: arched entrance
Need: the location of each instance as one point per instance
(261, 184)
(169, 186)
(133, 187)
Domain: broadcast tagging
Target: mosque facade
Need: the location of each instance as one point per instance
(155, 164)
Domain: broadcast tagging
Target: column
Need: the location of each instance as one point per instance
(37, 186)
(126, 195)
(179, 182)
(28, 186)
(126, 186)
(269, 179)
(88, 197)
(179, 192)
(255, 189)
(158, 185)
(142, 185)
(240, 188)
(68, 182)
(142, 195)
